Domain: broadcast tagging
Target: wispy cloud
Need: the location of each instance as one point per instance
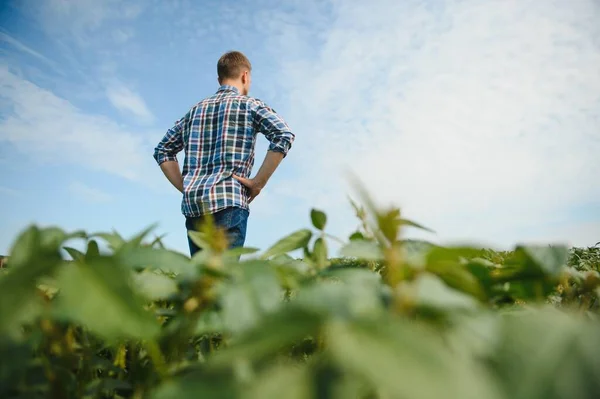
(49, 128)
(9, 191)
(5, 37)
(80, 19)
(478, 118)
(89, 194)
(121, 35)
(128, 102)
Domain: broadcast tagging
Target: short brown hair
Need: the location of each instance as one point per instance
(231, 64)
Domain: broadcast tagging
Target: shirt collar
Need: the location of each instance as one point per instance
(228, 88)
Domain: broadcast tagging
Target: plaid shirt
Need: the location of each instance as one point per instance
(219, 135)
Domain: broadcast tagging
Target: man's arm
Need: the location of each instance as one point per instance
(280, 137)
(255, 185)
(171, 170)
(166, 151)
(275, 129)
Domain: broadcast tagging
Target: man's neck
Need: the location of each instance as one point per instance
(237, 85)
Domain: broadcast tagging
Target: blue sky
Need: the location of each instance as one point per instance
(479, 119)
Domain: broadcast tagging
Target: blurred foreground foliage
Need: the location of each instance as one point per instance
(388, 318)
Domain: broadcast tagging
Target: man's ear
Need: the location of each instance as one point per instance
(245, 77)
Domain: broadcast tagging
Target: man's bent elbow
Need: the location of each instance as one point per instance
(161, 156)
(281, 146)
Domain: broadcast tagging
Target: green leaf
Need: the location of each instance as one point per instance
(288, 381)
(276, 331)
(47, 285)
(532, 271)
(438, 254)
(415, 253)
(240, 251)
(33, 256)
(474, 334)
(99, 296)
(345, 293)
(534, 263)
(53, 237)
(107, 386)
(458, 277)
(114, 239)
(377, 350)
(19, 303)
(74, 253)
(292, 271)
(202, 384)
(482, 270)
(389, 224)
(550, 259)
(320, 253)
(155, 258)
(432, 292)
(210, 322)
(308, 257)
(368, 250)
(92, 249)
(407, 222)
(136, 241)
(319, 219)
(296, 240)
(531, 290)
(16, 362)
(158, 241)
(199, 239)
(25, 246)
(548, 353)
(153, 285)
(254, 292)
(357, 236)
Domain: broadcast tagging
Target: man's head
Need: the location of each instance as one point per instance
(234, 69)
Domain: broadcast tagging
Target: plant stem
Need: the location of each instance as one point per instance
(157, 358)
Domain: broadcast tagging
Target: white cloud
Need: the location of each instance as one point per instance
(50, 129)
(89, 194)
(128, 102)
(480, 119)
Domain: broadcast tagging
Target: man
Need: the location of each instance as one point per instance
(218, 135)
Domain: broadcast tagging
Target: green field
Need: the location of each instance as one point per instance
(389, 318)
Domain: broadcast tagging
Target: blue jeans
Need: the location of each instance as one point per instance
(233, 220)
